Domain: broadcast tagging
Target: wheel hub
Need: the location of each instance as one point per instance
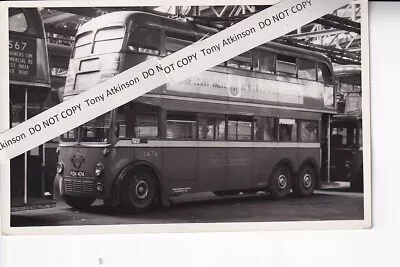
(141, 189)
(307, 180)
(282, 181)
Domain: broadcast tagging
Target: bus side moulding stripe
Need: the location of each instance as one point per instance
(235, 103)
(223, 144)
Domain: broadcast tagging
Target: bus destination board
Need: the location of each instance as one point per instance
(22, 57)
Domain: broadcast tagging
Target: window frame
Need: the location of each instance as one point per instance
(262, 52)
(158, 137)
(275, 130)
(317, 131)
(161, 41)
(250, 58)
(331, 77)
(296, 123)
(286, 74)
(165, 122)
(315, 68)
(238, 116)
(216, 116)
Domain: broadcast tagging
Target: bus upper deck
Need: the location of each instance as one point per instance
(114, 42)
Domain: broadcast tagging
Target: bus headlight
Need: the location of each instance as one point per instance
(60, 167)
(98, 169)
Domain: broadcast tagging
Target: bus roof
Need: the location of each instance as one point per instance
(190, 28)
(350, 74)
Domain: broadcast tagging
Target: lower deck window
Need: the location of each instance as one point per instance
(239, 128)
(181, 125)
(264, 129)
(211, 127)
(287, 130)
(308, 131)
(137, 120)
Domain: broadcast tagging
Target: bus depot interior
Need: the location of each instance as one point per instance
(230, 146)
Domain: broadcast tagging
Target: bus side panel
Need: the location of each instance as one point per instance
(263, 162)
(179, 166)
(122, 157)
(310, 153)
(240, 165)
(289, 153)
(213, 169)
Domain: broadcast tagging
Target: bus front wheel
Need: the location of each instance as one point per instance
(280, 182)
(139, 190)
(79, 203)
(305, 182)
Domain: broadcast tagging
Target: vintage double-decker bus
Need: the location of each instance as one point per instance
(346, 130)
(29, 87)
(257, 122)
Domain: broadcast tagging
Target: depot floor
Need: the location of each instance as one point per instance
(206, 208)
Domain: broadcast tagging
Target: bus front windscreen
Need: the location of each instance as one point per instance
(96, 130)
(106, 40)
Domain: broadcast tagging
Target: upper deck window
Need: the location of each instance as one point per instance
(144, 40)
(286, 65)
(172, 44)
(324, 74)
(109, 40)
(175, 41)
(83, 45)
(263, 61)
(306, 70)
(17, 21)
(242, 61)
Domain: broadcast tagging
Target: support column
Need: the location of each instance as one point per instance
(26, 153)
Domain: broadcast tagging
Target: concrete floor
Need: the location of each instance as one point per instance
(206, 208)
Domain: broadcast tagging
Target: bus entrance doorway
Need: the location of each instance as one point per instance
(326, 178)
(27, 170)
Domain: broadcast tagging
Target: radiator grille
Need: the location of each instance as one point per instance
(79, 186)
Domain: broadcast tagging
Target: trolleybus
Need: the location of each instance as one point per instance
(29, 87)
(346, 130)
(257, 122)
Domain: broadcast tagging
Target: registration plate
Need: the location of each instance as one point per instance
(77, 173)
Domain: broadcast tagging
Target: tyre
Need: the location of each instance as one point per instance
(305, 182)
(280, 182)
(79, 203)
(139, 190)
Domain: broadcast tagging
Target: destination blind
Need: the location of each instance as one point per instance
(22, 58)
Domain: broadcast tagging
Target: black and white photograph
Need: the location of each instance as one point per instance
(275, 134)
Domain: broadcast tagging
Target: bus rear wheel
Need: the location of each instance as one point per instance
(280, 182)
(305, 182)
(79, 203)
(139, 190)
